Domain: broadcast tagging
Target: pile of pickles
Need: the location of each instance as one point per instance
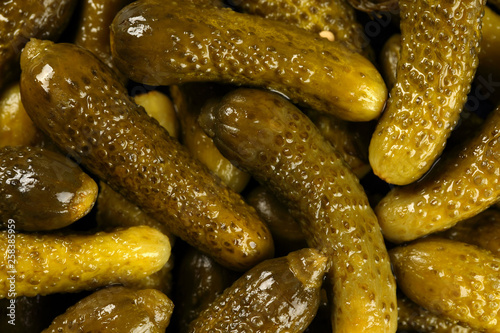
(249, 166)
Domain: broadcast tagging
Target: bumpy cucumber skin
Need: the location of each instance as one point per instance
(47, 264)
(165, 43)
(42, 190)
(336, 16)
(22, 20)
(414, 318)
(439, 57)
(269, 137)
(117, 310)
(454, 279)
(461, 186)
(482, 230)
(75, 99)
(277, 296)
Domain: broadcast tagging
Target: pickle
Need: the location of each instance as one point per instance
(46, 264)
(160, 107)
(117, 141)
(16, 127)
(117, 309)
(189, 100)
(200, 281)
(456, 280)
(286, 232)
(349, 139)
(336, 16)
(277, 295)
(42, 190)
(439, 57)
(269, 137)
(164, 43)
(22, 20)
(482, 230)
(161, 280)
(462, 185)
(389, 59)
(489, 67)
(93, 27)
(414, 318)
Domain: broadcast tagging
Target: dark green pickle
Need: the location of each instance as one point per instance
(42, 190)
(172, 42)
(276, 296)
(269, 137)
(117, 310)
(22, 20)
(286, 232)
(200, 280)
(76, 100)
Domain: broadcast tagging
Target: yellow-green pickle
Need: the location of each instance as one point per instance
(170, 42)
(87, 112)
(459, 281)
(22, 20)
(439, 56)
(42, 190)
(463, 184)
(41, 264)
(278, 295)
(269, 137)
(117, 310)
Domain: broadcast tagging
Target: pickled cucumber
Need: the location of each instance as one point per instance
(456, 280)
(41, 264)
(439, 57)
(164, 43)
(389, 59)
(278, 295)
(42, 190)
(269, 137)
(117, 310)
(463, 184)
(22, 20)
(75, 99)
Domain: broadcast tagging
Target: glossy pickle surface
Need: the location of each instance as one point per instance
(225, 46)
(278, 295)
(268, 136)
(117, 141)
(439, 57)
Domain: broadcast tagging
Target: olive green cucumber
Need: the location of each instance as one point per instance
(439, 57)
(276, 296)
(77, 101)
(116, 310)
(164, 43)
(456, 280)
(269, 137)
(42, 190)
(40, 264)
(463, 184)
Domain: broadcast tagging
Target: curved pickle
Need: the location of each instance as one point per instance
(389, 59)
(211, 44)
(336, 16)
(42, 190)
(268, 136)
(200, 281)
(116, 310)
(454, 279)
(276, 296)
(116, 140)
(22, 20)
(482, 230)
(414, 318)
(47, 264)
(462, 185)
(440, 46)
(189, 99)
(16, 128)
